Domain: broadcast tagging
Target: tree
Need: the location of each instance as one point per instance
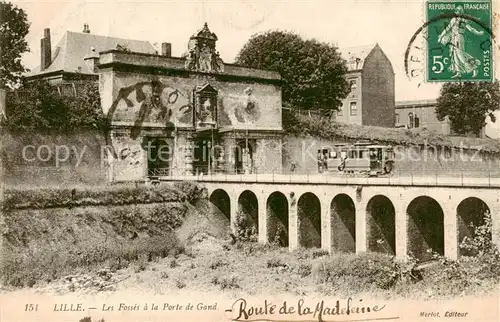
(468, 105)
(39, 107)
(14, 27)
(312, 72)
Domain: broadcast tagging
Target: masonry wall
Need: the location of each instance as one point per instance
(419, 160)
(130, 99)
(378, 92)
(36, 159)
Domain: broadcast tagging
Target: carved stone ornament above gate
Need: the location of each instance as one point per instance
(201, 55)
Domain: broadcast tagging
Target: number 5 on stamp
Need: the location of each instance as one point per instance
(459, 41)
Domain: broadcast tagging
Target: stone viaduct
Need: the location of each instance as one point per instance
(393, 218)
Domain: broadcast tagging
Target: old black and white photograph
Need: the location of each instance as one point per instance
(249, 160)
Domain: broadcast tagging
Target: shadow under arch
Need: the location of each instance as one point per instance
(277, 219)
(221, 204)
(343, 220)
(309, 217)
(425, 228)
(381, 225)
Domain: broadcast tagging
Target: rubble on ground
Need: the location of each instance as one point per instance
(102, 280)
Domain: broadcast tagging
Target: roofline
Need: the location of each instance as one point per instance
(417, 103)
(60, 72)
(176, 58)
(117, 38)
(125, 61)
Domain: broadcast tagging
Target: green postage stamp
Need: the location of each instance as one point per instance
(459, 41)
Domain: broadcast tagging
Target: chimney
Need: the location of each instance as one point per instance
(46, 50)
(166, 49)
(92, 60)
(86, 29)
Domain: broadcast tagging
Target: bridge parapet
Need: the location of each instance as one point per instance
(409, 180)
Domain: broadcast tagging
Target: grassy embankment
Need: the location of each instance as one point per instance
(47, 233)
(165, 238)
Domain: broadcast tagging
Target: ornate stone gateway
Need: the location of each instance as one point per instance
(190, 115)
(201, 55)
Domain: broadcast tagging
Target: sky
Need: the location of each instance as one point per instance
(346, 23)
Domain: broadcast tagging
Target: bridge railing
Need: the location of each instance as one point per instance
(415, 178)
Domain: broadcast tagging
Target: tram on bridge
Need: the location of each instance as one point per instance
(361, 158)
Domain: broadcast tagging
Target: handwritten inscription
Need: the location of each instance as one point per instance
(320, 311)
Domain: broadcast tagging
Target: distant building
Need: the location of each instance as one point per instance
(420, 114)
(372, 97)
(76, 55)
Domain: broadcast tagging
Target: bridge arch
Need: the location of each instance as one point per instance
(425, 227)
(248, 213)
(221, 206)
(343, 220)
(381, 224)
(277, 219)
(309, 216)
(471, 213)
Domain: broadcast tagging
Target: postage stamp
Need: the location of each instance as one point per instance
(459, 41)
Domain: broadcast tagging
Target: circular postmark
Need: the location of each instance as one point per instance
(244, 15)
(451, 46)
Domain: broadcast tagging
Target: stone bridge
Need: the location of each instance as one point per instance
(358, 214)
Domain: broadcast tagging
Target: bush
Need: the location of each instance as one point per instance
(215, 264)
(245, 231)
(481, 243)
(226, 282)
(320, 253)
(305, 270)
(50, 262)
(191, 189)
(276, 262)
(114, 195)
(173, 263)
(180, 284)
(363, 271)
(469, 272)
(41, 108)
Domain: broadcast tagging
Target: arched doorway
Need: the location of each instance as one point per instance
(471, 213)
(309, 216)
(425, 228)
(159, 156)
(343, 219)
(248, 214)
(381, 225)
(277, 219)
(221, 206)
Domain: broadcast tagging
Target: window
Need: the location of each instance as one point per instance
(397, 118)
(353, 107)
(410, 120)
(353, 84)
(340, 112)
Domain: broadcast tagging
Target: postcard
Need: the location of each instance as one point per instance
(207, 160)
